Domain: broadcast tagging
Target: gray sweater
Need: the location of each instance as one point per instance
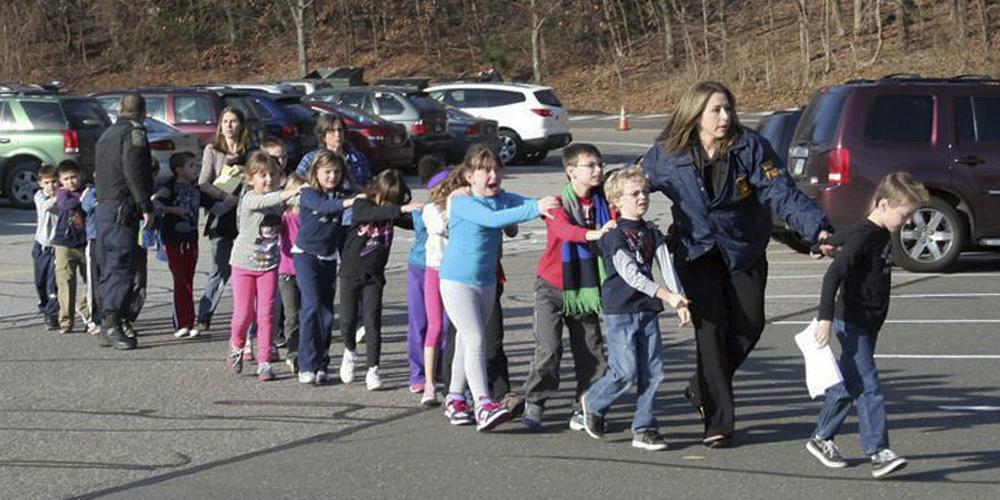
(258, 217)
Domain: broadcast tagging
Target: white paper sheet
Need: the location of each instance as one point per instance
(822, 371)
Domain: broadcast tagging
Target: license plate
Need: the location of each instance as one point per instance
(799, 166)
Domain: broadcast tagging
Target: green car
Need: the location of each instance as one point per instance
(45, 129)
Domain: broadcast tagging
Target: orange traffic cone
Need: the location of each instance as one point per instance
(623, 121)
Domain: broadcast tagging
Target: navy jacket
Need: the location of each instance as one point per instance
(321, 229)
(738, 221)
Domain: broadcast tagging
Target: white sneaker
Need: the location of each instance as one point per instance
(93, 328)
(359, 334)
(373, 380)
(183, 332)
(322, 377)
(307, 377)
(194, 332)
(347, 366)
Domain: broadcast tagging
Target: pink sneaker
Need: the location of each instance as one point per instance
(430, 397)
(457, 412)
(490, 414)
(248, 352)
(416, 388)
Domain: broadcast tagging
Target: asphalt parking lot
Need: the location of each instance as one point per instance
(167, 420)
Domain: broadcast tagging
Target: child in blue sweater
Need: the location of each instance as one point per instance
(477, 212)
(317, 249)
(631, 301)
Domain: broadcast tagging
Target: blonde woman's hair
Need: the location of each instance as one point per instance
(614, 186)
(682, 129)
(900, 188)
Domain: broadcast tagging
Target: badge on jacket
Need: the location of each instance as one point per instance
(138, 137)
(770, 170)
(743, 189)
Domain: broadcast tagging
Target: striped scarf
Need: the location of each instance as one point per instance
(582, 264)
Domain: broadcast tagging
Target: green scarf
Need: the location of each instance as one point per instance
(582, 265)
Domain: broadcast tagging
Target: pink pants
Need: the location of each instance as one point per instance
(253, 290)
(433, 307)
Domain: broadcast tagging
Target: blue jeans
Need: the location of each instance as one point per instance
(45, 282)
(317, 280)
(860, 385)
(222, 247)
(635, 356)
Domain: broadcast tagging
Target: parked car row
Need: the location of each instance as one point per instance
(943, 131)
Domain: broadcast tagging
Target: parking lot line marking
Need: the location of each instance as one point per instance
(584, 117)
(630, 144)
(898, 275)
(968, 408)
(907, 321)
(938, 356)
(895, 296)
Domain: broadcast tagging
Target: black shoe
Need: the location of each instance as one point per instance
(116, 338)
(127, 329)
(280, 340)
(717, 442)
(826, 452)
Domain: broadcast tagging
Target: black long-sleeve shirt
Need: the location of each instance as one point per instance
(366, 249)
(862, 273)
(124, 168)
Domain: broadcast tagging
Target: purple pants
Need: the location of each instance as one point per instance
(418, 322)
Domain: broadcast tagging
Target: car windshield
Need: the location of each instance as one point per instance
(819, 120)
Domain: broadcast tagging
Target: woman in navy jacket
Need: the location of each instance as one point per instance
(725, 183)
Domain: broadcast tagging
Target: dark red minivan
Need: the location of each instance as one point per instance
(943, 131)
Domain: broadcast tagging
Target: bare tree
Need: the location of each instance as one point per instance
(804, 38)
(878, 31)
(298, 8)
(539, 15)
(959, 17)
(859, 12)
(826, 35)
(668, 35)
(904, 13)
(704, 26)
(984, 21)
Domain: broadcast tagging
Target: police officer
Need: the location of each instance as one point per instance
(124, 184)
(725, 182)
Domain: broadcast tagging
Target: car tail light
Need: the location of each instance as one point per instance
(472, 129)
(162, 145)
(374, 134)
(419, 128)
(71, 142)
(289, 131)
(542, 112)
(838, 163)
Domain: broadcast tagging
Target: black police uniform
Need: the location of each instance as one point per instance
(123, 179)
(722, 219)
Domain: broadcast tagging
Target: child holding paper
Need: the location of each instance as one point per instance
(862, 274)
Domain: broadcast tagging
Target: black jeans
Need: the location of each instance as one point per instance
(728, 315)
(585, 342)
(291, 302)
(369, 290)
(497, 374)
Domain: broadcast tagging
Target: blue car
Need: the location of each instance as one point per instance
(283, 117)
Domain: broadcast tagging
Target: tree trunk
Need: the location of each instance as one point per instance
(681, 15)
(668, 35)
(859, 12)
(984, 21)
(804, 39)
(904, 13)
(838, 18)
(826, 35)
(536, 28)
(959, 17)
(704, 26)
(878, 31)
(298, 8)
(722, 29)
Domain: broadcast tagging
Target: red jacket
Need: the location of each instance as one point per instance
(560, 230)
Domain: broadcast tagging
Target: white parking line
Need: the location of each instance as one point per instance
(898, 275)
(653, 116)
(584, 117)
(938, 356)
(896, 296)
(908, 321)
(969, 408)
(629, 144)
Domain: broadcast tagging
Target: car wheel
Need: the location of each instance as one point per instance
(22, 182)
(535, 157)
(510, 146)
(931, 240)
(792, 240)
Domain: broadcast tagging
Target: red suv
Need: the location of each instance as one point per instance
(944, 131)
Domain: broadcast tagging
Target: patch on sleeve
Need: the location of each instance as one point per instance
(742, 187)
(138, 137)
(770, 170)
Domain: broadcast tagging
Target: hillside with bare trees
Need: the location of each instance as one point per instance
(599, 54)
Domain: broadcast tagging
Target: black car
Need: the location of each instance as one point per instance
(778, 128)
(466, 130)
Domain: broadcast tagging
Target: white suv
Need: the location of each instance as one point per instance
(531, 119)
